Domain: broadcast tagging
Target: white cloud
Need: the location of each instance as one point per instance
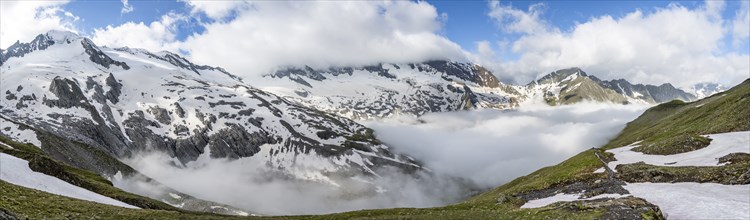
(320, 33)
(247, 183)
(217, 9)
(484, 48)
(672, 44)
(514, 20)
(126, 7)
(24, 20)
(741, 24)
(156, 36)
(714, 8)
(492, 147)
(518, 21)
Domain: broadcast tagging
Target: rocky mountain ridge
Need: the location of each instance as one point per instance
(385, 90)
(414, 89)
(572, 85)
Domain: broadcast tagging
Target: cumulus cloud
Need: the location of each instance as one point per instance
(126, 7)
(24, 20)
(320, 33)
(671, 44)
(217, 10)
(515, 20)
(492, 147)
(484, 48)
(156, 36)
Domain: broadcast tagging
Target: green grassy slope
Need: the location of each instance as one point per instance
(501, 202)
(25, 203)
(577, 168)
(39, 162)
(674, 127)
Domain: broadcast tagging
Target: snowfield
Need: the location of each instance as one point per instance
(682, 200)
(16, 171)
(721, 145)
(562, 197)
(678, 200)
(696, 200)
(15, 132)
(693, 200)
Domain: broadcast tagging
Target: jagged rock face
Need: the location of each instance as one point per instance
(124, 101)
(572, 85)
(568, 86)
(463, 71)
(41, 42)
(649, 93)
(386, 90)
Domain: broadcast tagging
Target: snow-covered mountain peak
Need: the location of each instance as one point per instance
(170, 61)
(702, 90)
(61, 36)
(42, 41)
(123, 101)
(560, 76)
(65, 46)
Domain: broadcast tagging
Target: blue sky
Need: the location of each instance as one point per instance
(467, 21)
(98, 14)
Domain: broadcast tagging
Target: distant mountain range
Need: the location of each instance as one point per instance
(573, 85)
(386, 90)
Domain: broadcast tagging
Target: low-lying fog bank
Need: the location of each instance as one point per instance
(492, 147)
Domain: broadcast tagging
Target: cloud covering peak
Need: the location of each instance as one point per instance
(253, 38)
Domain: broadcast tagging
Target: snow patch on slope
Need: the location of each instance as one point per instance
(16, 133)
(721, 145)
(693, 200)
(16, 171)
(562, 197)
(696, 200)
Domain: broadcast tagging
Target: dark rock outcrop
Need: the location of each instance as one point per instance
(115, 89)
(97, 56)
